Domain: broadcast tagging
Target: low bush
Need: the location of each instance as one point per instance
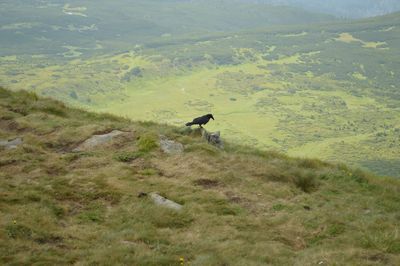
(147, 143)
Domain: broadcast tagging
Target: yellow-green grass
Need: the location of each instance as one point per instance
(242, 206)
(239, 120)
(148, 100)
(348, 38)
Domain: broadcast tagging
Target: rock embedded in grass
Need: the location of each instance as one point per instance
(11, 144)
(164, 202)
(213, 138)
(170, 146)
(97, 140)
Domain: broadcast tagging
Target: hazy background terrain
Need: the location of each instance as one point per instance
(309, 78)
(343, 8)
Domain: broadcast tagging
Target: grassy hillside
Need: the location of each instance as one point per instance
(241, 206)
(328, 91)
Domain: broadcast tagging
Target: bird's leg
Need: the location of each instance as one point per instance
(200, 126)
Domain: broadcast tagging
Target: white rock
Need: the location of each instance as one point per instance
(96, 140)
(171, 147)
(11, 144)
(161, 201)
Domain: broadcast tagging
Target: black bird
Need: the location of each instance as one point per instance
(202, 120)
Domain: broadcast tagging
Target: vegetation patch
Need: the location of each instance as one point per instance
(128, 156)
(147, 143)
(306, 181)
(19, 231)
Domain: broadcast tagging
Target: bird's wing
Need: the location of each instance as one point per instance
(198, 120)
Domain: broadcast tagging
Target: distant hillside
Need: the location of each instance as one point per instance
(342, 8)
(46, 27)
(65, 201)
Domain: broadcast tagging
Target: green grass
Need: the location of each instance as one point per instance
(147, 143)
(128, 156)
(241, 205)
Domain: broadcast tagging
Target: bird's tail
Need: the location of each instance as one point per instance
(189, 124)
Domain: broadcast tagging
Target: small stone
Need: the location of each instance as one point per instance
(214, 138)
(161, 201)
(11, 144)
(170, 146)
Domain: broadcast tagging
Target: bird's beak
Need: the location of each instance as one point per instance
(212, 118)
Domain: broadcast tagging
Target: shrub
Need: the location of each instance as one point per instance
(147, 143)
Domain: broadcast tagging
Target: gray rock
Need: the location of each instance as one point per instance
(170, 146)
(97, 140)
(161, 201)
(11, 144)
(214, 138)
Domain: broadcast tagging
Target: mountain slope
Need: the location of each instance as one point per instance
(45, 27)
(241, 206)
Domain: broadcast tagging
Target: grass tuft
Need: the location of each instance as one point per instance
(306, 181)
(128, 156)
(19, 231)
(94, 213)
(147, 142)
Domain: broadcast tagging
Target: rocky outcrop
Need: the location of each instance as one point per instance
(214, 138)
